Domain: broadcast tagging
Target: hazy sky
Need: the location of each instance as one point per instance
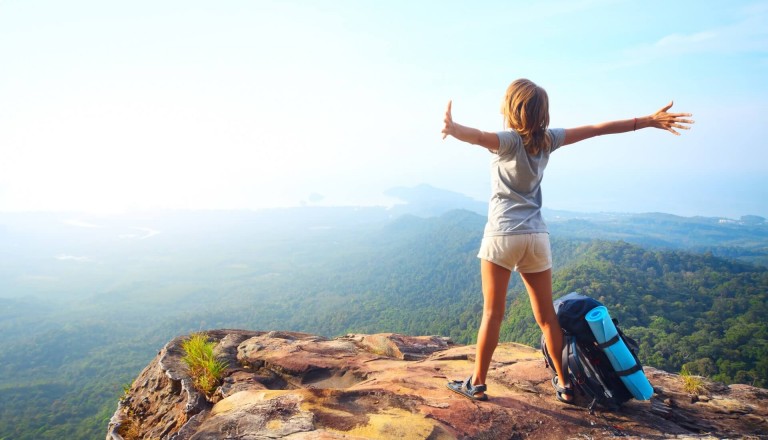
(107, 106)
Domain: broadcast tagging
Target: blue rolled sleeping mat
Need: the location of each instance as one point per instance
(630, 372)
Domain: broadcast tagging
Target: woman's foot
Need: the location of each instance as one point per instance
(466, 389)
(563, 394)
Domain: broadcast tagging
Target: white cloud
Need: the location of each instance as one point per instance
(80, 224)
(748, 35)
(78, 259)
(677, 41)
(144, 234)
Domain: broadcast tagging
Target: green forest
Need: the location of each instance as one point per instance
(692, 310)
(72, 345)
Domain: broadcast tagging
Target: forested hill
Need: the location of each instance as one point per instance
(693, 310)
(745, 238)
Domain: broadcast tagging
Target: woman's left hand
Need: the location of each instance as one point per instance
(670, 121)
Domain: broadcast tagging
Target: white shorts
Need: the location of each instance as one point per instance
(524, 253)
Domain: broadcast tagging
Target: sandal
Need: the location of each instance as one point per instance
(563, 391)
(466, 389)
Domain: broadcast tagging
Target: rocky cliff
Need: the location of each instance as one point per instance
(388, 386)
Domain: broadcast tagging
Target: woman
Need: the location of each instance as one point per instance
(516, 237)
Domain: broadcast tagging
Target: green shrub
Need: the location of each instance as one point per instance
(204, 368)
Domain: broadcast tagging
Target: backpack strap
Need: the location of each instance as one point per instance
(629, 371)
(566, 353)
(616, 338)
(609, 342)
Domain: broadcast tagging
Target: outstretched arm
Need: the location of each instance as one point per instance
(661, 119)
(469, 134)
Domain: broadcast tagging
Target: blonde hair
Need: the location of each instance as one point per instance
(526, 110)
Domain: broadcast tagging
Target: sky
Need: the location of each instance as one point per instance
(110, 106)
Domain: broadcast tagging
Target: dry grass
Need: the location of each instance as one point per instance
(129, 430)
(692, 384)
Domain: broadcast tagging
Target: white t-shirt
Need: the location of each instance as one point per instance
(515, 205)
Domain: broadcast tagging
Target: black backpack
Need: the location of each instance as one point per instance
(590, 371)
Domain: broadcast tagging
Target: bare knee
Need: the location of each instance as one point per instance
(494, 317)
(547, 322)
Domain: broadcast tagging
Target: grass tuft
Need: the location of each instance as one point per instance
(692, 384)
(204, 368)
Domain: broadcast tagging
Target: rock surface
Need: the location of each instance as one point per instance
(388, 386)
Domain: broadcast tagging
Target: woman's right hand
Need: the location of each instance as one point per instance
(670, 121)
(469, 134)
(449, 127)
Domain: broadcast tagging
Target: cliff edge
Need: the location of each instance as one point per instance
(388, 386)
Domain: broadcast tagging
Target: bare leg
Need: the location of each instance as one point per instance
(539, 287)
(495, 283)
